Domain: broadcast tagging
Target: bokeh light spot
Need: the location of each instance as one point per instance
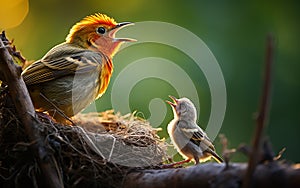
(12, 13)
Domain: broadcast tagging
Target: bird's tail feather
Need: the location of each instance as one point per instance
(217, 157)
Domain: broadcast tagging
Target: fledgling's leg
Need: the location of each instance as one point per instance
(175, 164)
(196, 158)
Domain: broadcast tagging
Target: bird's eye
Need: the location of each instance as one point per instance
(101, 30)
(183, 108)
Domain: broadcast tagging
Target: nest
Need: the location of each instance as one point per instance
(97, 152)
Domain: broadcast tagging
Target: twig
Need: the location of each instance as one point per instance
(20, 96)
(262, 117)
(112, 149)
(59, 111)
(226, 152)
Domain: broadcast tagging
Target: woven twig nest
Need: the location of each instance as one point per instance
(124, 140)
(97, 152)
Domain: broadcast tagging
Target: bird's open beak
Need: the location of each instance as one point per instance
(113, 32)
(174, 103)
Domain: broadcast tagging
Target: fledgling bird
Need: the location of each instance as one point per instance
(188, 138)
(76, 72)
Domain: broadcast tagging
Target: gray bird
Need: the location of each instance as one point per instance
(188, 138)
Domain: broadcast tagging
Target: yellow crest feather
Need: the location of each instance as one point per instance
(96, 19)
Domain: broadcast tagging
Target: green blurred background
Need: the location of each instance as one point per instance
(234, 31)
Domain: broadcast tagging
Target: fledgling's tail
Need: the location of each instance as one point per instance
(215, 156)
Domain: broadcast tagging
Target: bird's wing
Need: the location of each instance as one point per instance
(195, 134)
(198, 137)
(55, 65)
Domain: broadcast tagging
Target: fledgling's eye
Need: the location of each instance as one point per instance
(101, 30)
(183, 108)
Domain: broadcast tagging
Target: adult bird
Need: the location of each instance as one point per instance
(76, 72)
(188, 138)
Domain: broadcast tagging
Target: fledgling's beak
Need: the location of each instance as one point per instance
(113, 31)
(174, 103)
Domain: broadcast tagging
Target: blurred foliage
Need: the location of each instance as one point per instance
(234, 31)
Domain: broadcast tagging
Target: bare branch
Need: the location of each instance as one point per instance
(11, 73)
(211, 175)
(263, 113)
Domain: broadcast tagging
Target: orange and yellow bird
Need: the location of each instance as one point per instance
(76, 72)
